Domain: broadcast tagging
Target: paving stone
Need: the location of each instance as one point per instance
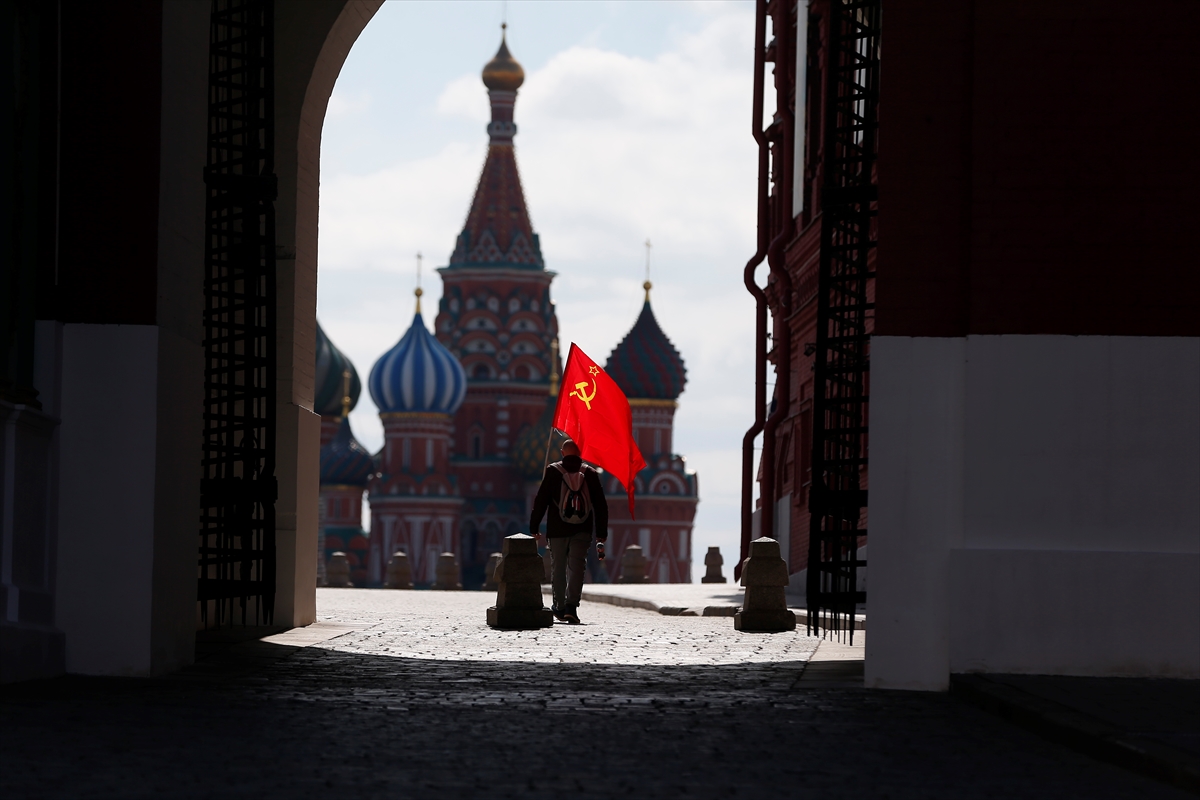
(429, 702)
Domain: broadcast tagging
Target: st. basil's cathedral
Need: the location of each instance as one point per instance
(466, 409)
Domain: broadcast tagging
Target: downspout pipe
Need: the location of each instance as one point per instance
(760, 298)
(784, 224)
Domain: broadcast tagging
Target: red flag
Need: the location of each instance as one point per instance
(594, 412)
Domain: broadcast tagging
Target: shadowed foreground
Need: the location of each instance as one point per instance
(347, 718)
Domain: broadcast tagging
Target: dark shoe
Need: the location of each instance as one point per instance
(570, 616)
(559, 614)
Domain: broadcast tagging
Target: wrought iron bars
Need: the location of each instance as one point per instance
(238, 488)
(844, 311)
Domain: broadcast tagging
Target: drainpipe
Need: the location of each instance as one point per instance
(760, 299)
(782, 212)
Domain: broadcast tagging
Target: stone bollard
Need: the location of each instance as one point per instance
(489, 572)
(764, 574)
(447, 573)
(337, 571)
(633, 565)
(713, 561)
(399, 572)
(547, 564)
(519, 597)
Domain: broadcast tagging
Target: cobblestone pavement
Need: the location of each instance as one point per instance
(428, 702)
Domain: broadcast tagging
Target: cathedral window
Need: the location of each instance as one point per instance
(477, 446)
(533, 305)
(493, 304)
(514, 305)
(470, 303)
(453, 305)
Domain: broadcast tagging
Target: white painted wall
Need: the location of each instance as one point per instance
(915, 497)
(107, 442)
(1035, 507)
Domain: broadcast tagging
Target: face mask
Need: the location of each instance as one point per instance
(572, 463)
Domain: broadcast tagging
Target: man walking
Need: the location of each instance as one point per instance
(572, 494)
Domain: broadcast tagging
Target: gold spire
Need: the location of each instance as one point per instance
(554, 367)
(418, 292)
(647, 285)
(346, 393)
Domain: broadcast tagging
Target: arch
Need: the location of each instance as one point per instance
(311, 44)
(668, 483)
(532, 367)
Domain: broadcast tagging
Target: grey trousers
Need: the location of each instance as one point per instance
(568, 559)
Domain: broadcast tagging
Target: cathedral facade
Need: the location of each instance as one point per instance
(467, 407)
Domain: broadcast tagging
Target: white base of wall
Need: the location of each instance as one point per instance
(1035, 507)
(107, 446)
(1141, 610)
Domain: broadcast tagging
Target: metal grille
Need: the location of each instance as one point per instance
(238, 490)
(844, 312)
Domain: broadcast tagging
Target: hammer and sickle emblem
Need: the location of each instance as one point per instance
(581, 393)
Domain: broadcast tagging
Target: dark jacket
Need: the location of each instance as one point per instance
(548, 497)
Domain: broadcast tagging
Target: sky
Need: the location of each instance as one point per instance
(633, 124)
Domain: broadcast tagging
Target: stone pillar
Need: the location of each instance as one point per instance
(713, 561)
(447, 573)
(489, 572)
(337, 571)
(399, 572)
(633, 565)
(519, 597)
(764, 574)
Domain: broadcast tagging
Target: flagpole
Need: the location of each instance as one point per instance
(553, 394)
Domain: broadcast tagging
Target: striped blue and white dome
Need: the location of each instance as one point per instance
(418, 374)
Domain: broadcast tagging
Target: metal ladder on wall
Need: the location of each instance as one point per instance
(238, 488)
(844, 313)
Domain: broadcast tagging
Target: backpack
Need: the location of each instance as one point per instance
(574, 501)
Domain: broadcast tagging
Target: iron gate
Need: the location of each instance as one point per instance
(840, 386)
(238, 489)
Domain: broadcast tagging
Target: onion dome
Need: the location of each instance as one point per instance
(418, 374)
(344, 460)
(330, 384)
(645, 364)
(503, 73)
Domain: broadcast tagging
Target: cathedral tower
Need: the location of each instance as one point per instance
(497, 318)
(415, 504)
(345, 464)
(651, 373)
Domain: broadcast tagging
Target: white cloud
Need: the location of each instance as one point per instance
(464, 97)
(344, 103)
